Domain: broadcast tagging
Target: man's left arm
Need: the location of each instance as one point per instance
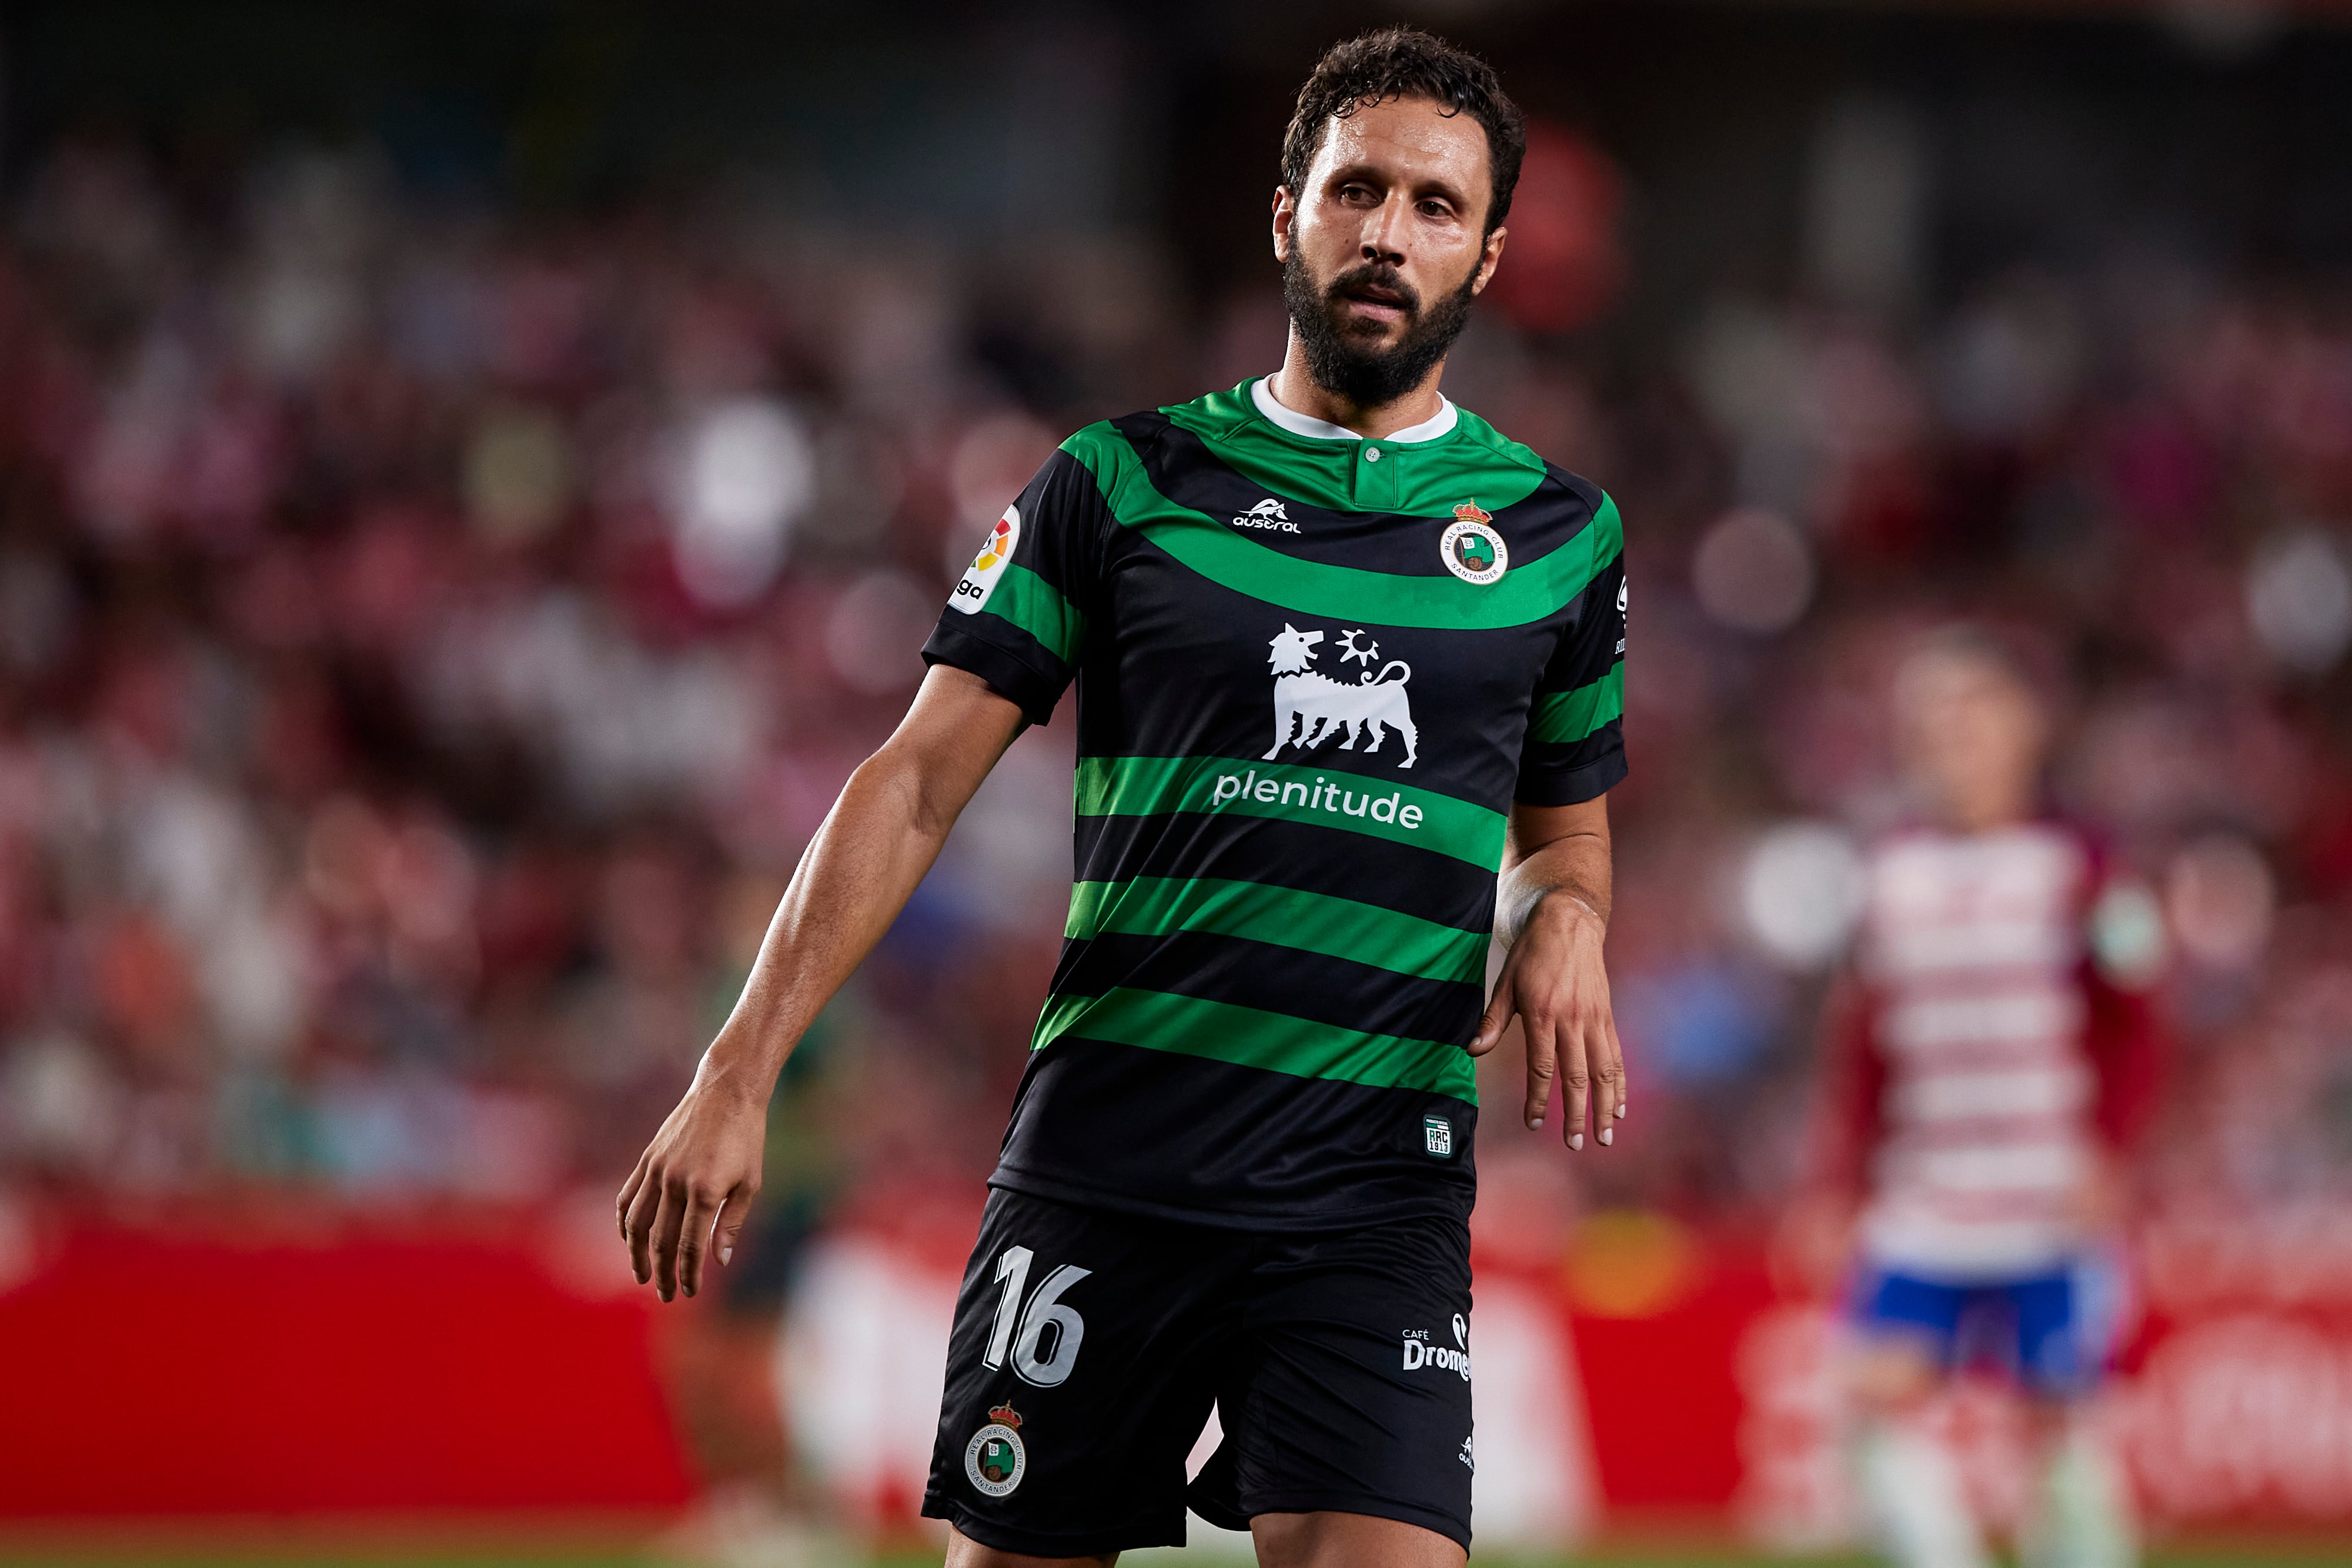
(1552, 913)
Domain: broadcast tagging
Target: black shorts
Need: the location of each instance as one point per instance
(1089, 1345)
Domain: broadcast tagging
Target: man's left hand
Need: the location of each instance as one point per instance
(1555, 983)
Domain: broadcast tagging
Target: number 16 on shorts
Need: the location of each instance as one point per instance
(1043, 1337)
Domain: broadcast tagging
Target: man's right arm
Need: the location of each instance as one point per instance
(700, 1172)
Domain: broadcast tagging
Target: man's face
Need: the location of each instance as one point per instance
(1973, 737)
(1384, 247)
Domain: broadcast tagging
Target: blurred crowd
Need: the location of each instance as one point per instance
(429, 633)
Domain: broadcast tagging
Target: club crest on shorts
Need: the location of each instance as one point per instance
(994, 1461)
(1471, 547)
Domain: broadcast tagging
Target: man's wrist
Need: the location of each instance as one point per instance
(1574, 906)
(734, 1069)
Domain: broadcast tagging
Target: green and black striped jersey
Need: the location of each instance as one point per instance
(1314, 673)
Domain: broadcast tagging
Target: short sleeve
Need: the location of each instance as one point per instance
(1017, 617)
(1575, 748)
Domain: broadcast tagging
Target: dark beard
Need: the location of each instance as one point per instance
(1349, 366)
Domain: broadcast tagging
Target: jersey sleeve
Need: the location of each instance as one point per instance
(1575, 748)
(1017, 618)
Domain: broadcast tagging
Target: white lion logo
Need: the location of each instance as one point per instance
(1319, 707)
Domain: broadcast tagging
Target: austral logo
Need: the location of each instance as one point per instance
(994, 1460)
(1471, 547)
(1266, 514)
(1315, 708)
(987, 567)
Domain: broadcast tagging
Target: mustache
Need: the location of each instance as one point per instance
(1375, 280)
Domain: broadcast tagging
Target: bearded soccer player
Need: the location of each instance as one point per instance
(1340, 648)
(1992, 1059)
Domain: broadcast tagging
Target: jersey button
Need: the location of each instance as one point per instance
(1371, 455)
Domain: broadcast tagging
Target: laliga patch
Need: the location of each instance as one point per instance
(987, 567)
(1471, 547)
(994, 1461)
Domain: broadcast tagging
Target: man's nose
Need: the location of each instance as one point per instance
(1384, 230)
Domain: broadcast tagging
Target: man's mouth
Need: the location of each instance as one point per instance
(1379, 301)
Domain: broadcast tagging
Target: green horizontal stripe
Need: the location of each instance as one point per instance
(1037, 607)
(1250, 1037)
(1213, 548)
(1572, 715)
(1148, 786)
(1283, 916)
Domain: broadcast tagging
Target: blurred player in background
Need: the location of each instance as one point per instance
(1990, 1059)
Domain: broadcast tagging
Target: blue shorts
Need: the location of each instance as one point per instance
(2047, 1329)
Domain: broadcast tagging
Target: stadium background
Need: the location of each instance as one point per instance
(474, 479)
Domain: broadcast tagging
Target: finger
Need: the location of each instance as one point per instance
(1499, 1008)
(702, 1205)
(731, 1222)
(1613, 1079)
(629, 1195)
(1617, 1042)
(668, 1225)
(1608, 1079)
(643, 1209)
(1576, 1082)
(1543, 1067)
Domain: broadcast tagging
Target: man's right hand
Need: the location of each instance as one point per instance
(697, 1177)
(702, 1169)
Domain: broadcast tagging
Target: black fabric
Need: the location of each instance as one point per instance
(1298, 1153)
(1299, 1340)
(1182, 670)
(1340, 992)
(1013, 663)
(1575, 771)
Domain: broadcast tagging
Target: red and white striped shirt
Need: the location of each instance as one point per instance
(1980, 1059)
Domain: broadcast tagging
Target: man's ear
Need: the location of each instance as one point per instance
(1490, 255)
(1285, 210)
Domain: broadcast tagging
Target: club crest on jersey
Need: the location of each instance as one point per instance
(994, 1460)
(1313, 708)
(987, 569)
(1471, 547)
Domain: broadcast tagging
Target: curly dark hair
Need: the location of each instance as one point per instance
(1405, 62)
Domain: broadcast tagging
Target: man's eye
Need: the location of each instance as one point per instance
(1434, 209)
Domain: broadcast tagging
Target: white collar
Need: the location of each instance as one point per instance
(1430, 429)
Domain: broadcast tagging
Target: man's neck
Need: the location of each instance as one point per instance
(1301, 394)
